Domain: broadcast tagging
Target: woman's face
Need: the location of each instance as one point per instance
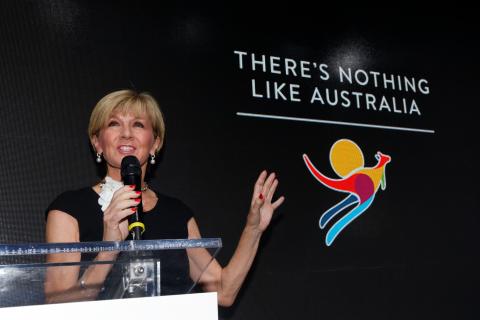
(123, 135)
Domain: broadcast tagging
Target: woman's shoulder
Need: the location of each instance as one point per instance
(72, 201)
(76, 195)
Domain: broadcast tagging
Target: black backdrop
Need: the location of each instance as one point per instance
(411, 254)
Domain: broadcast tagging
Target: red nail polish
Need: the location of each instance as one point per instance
(138, 192)
(260, 196)
(132, 186)
(134, 209)
(138, 200)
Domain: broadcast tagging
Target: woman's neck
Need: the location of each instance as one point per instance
(115, 174)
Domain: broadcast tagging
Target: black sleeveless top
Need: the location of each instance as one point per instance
(166, 220)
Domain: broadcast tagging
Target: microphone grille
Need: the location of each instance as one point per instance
(130, 166)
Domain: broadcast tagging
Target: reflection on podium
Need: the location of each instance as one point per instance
(152, 270)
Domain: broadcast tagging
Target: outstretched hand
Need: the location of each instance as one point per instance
(262, 207)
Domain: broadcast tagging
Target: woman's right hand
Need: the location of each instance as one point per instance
(123, 204)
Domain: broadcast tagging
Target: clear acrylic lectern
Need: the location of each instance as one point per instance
(142, 268)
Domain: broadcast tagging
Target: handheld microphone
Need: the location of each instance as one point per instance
(132, 175)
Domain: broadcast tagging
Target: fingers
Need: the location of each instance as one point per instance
(268, 184)
(265, 188)
(115, 219)
(272, 189)
(263, 184)
(257, 201)
(259, 184)
(123, 203)
(125, 192)
(128, 204)
(278, 203)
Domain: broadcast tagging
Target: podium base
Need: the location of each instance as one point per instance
(198, 306)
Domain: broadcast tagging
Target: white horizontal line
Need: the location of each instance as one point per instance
(340, 123)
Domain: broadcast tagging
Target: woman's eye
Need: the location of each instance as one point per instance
(113, 123)
(139, 124)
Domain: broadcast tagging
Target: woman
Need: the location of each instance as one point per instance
(129, 123)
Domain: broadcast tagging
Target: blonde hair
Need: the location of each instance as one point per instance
(127, 101)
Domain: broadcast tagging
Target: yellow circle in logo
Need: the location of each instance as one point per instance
(346, 156)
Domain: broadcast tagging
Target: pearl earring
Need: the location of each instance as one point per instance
(152, 159)
(99, 157)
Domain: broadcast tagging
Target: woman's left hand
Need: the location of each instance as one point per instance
(262, 208)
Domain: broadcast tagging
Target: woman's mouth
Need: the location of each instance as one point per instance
(125, 149)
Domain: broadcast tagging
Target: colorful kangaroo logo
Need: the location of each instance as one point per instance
(361, 183)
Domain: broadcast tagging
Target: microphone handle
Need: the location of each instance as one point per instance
(135, 225)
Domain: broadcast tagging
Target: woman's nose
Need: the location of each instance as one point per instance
(126, 132)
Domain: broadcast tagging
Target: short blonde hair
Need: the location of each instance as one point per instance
(127, 101)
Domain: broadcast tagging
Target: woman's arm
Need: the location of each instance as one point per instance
(61, 227)
(227, 281)
(62, 283)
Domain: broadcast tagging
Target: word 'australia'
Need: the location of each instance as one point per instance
(364, 100)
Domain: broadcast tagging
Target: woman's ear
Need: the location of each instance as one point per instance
(96, 144)
(157, 146)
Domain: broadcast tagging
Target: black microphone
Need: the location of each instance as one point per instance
(132, 175)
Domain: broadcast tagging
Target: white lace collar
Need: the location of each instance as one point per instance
(106, 192)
